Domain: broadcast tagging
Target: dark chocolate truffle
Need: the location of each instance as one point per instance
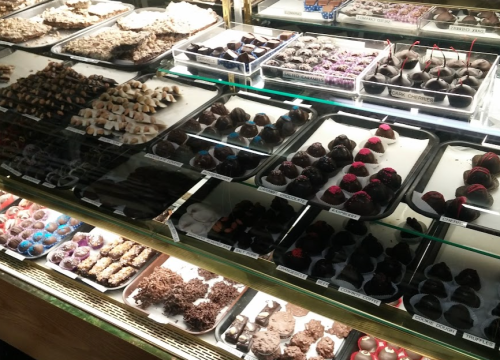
(239, 116)
(391, 268)
(371, 246)
(316, 150)
(312, 243)
(433, 287)
(375, 144)
(476, 195)
(285, 126)
(258, 144)
(248, 160)
(467, 296)
(492, 331)
(350, 183)
(435, 200)
(322, 228)
(401, 252)
(211, 133)
(342, 140)
(206, 117)
(231, 167)
(389, 177)
(316, 177)
(289, 169)
(249, 129)
(164, 149)
(469, 277)
(444, 20)
(323, 268)
(276, 177)
(219, 109)
(379, 285)
(351, 275)
(430, 307)
(459, 316)
(362, 204)
(361, 261)
(412, 224)
(271, 135)
(488, 160)
(455, 209)
(325, 164)
(440, 271)
(301, 158)
(341, 155)
(333, 196)
(191, 126)
(356, 227)
(196, 144)
(236, 139)
(221, 152)
(300, 187)
(482, 176)
(299, 116)
(224, 125)
(379, 193)
(204, 160)
(358, 168)
(365, 155)
(297, 259)
(461, 95)
(261, 119)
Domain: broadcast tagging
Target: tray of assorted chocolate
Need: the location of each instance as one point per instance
(469, 196)
(239, 49)
(29, 230)
(101, 259)
(265, 327)
(404, 17)
(138, 111)
(364, 173)
(40, 27)
(193, 299)
(235, 216)
(325, 62)
(459, 288)
(449, 83)
(139, 188)
(456, 22)
(307, 9)
(140, 38)
(234, 137)
(367, 347)
(373, 260)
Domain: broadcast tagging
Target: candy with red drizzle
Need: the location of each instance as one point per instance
(482, 176)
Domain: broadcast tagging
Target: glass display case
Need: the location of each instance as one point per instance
(178, 177)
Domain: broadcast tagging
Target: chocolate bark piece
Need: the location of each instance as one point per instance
(271, 307)
(236, 329)
(245, 339)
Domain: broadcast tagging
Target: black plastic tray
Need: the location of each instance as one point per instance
(40, 8)
(276, 150)
(145, 77)
(129, 65)
(365, 123)
(210, 186)
(426, 173)
(298, 230)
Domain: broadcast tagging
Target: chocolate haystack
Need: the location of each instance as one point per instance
(222, 294)
(154, 288)
(207, 275)
(201, 317)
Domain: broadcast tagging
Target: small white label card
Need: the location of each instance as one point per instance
(360, 296)
(207, 59)
(246, 253)
(31, 179)
(10, 169)
(453, 221)
(74, 130)
(315, 78)
(173, 231)
(282, 195)
(15, 255)
(434, 324)
(468, 29)
(210, 241)
(2, 109)
(322, 283)
(291, 272)
(373, 19)
(48, 185)
(31, 117)
(110, 141)
(93, 202)
(79, 58)
(479, 340)
(217, 176)
(412, 96)
(344, 213)
(166, 161)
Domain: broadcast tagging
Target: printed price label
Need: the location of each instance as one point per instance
(217, 176)
(479, 340)
(229, 349)
(360, 296)
(315, 78)
(207, 59)
(49, 185)
(292, 272)
(373, 19)
(109, 141)
(119, 212)
(31, 117)
(282, 195)
(2, 109)
(87, 60)
(434, 324)
(158, 318)
(15, 255)
(467, 29)
(453, 221)
(11, 170)
(31, 179)
(94, 285)
(76, 131)
(411, 96)
(246, 253)
(209, 241)
(173, 231)
(59, 270)
(263, 30)
(344, 213)
(322, 283)
(292, 12)
(166, 161)
(93, 202)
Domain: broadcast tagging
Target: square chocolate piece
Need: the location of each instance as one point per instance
(259, 51)
(245, 58)
(260, 40)
(286, 35)
(247, 38)
(311, 2)
(248, 48)
(322, 2)
(218, 51)
(234, 45)
(205, 50)
(230, 55)
(273, 44)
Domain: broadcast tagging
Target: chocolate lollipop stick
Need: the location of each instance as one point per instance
(412, 45)
(470, 51)
(458, 55)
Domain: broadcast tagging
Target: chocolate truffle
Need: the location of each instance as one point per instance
(230, 167)
(368, 344)
(481, 64)
(455, 209)
(164, 149)
(433, 287)
(412, 224)
(249, 129)
(461, 95)
(285, 126)
(249, 160)
(492, 331)
(258, 144)
(289, 169)
(322, 228)
(429, 306)
(469, 277)
(238, 116)
(361, 203)
(301, 158)
(350, 183)
(219, 109)
(387, 353)
(476, 195)
(177, 136)
(261, 119)
(385, 131)
(236, 139)
(482, 176)
(276, 177)
(204, 160)
(488, 160)
(389, 177)
(342, 140)
(467, 296)
(316, 150)
(375, 144)
(221, 152)
(300, 187)
(197, 144)
(325, 164)
(435, 200)
(343, 238)
(323, 268)
(312, 243)
(358, 168)
(361, 261)
(333, 196)
(379, 193)
(459, 316)
(440, 271)
(351, 275)
(356, 227)
(206, 118)
(371, 246)
(224, 125)
(362, 355)
(271, 135)
(191, 126)
(401, 252)
(182, 154)
(444, 20)
(299, 116)
(341, 155)
(391, 268)
(297, 259)
(316, 177)
(365, 155)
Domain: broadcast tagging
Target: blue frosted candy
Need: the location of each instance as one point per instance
(38, 236)
(62, 219)
(24, 246)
